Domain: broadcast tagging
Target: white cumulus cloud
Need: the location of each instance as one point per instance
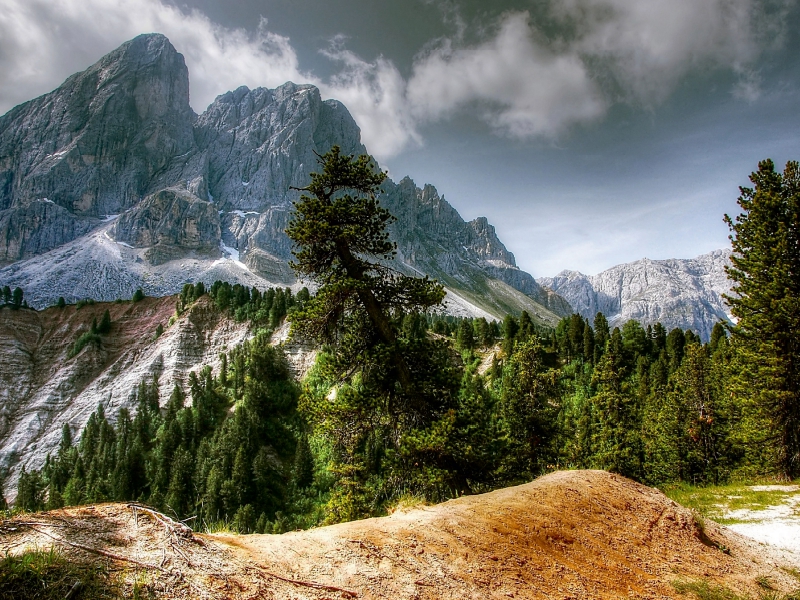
(523, 87)
(42, 42)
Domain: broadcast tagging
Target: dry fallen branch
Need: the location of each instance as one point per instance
(173, 527)
(309, 584)
(98, 551)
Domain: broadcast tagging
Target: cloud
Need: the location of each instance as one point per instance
(524, 87)
(375, 93)
(520, 81)
(647, 46)
(605, 51)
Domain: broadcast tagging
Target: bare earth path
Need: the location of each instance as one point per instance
(577, 534)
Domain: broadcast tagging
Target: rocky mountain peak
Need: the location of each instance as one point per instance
(114, 175)
(94, 145)
(684, 293)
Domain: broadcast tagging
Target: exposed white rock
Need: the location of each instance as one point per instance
(43, 389)
(678, 293)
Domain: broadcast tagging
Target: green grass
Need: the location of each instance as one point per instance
(705, 591)
(715, 502)
(709, 591)
(50, 574)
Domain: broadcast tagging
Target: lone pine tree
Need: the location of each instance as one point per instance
(394, 392)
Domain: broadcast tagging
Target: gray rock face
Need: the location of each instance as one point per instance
(36, 227)
(94, 145)
(432, 238)
(120, 143)
(677, 293)
(169, 223)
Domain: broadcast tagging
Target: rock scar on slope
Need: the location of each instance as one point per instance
(574, 534)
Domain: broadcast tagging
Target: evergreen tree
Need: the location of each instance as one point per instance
(765, 299)
(588, 342)
(510, 329)
(385, 382)
(718, 333)
(465, 337)
(16, 298)
(601, 335)
(525, 325)
(105, 323)
(529, 389)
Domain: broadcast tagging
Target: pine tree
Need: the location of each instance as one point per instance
(105, 323)
(529, 407)
(391, 390)
(465, 338)
(601, 335)
(16, 298)
(510, 329)
(588, 342)
(765, 299)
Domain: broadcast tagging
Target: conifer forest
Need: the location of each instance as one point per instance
(408, 404)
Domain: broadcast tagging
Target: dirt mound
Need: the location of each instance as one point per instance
(579, 534)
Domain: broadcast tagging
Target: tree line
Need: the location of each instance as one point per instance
(405, 402)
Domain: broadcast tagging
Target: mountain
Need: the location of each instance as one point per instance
(111, 182)
(678, 293)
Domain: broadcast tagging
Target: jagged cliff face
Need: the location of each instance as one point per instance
(677, 293)
(93, 146)
(113, 175)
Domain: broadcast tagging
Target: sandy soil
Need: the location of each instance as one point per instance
(578, 534)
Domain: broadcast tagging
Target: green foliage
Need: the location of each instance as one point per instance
(61, 302)
(138, 296)
(16, 298)
(385, 397)
(51, 575)
(86, 338)
(105, 323)
(765, 298)
(85, 302)
(528, 410)
(204, 459)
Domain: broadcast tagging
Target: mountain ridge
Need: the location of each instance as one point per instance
(117, 155)
(684, 293)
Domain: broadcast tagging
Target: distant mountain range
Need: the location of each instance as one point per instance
(677, 293)
(111, 182)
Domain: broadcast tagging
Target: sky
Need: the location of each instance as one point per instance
(589, 132)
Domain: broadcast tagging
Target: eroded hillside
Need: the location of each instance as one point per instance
(43, 387)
